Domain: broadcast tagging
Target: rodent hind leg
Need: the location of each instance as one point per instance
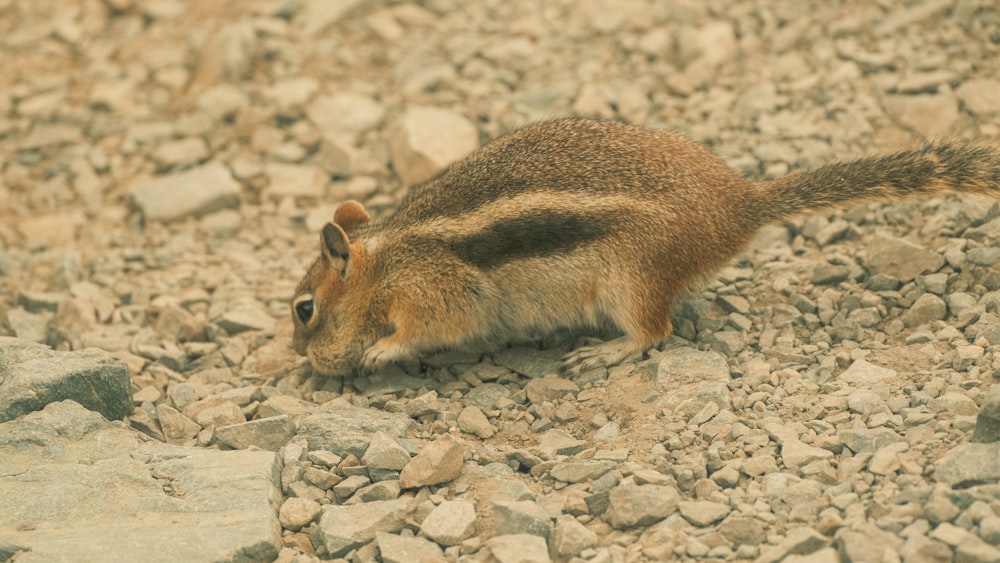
(645, 327)
(605, 354)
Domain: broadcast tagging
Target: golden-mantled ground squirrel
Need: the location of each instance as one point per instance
(568, 223)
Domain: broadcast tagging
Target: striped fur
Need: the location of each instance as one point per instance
(569, 223)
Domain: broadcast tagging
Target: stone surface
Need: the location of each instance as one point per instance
(969, 463)
(988, 418)
(570, 538)
(900, 258)
(348, 430)
(33, 375)
(979, 96)
(74, 483)
(640, 505)
(192, 193)
(394, 548)
(450, 522)
(297, 513)
(521, 517)
(518, 548)
(682, 366)
(427, 139)
(702, 513)
(265, 433)
(439, 462)
(343, 528)
(384, 452)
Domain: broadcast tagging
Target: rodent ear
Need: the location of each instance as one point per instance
(335, 244)
(350, 215)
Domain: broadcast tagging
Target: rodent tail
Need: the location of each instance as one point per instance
(929, 169)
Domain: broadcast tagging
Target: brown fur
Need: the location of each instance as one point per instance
(568, 223)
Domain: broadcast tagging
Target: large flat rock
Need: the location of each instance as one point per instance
(76, 487)
(33, 375)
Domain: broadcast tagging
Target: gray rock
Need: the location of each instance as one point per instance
(869, 546)
(979, 95)
(743, 530)
(348, 430)
(682, 366)
(868, 439)
(550, 389)
(900, 259)
(180, 153)
(796, 454)
(384, 452)
(640, 505)
(969, 464)
(382, 490)
(450, 522)
(439, 462)
(427, 139)
(394, 548)
(518, 548)
(580, 471)
(297, 513)
(560, 442)
(177, 428)
(472, 421)
(265, 433)
(353, 483)
(988, 420)
(975, 550)
(343, 528)
(570, 538)
(798, 541)
(983, 256)
(955, 403)
(246, 316)
(33, 375)
(521, 517)
(830, 274)
(989, 529)
(195, 192)
(315, 16)
(703, 513)
(423, 405)
(223, 101)
(295, 180)
(530, 362)
(345, 113)
(487, 395)
(864, 374)
(929, 115)
(939, 508)
(864, 401)
(73, 485)
(928, 307)
(922, 548)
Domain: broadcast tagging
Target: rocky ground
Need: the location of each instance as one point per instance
(166, 166)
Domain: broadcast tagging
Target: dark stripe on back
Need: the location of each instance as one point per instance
(536, 233)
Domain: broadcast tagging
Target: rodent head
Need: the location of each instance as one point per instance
(328, 327)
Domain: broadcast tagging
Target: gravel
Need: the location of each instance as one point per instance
(829, 396)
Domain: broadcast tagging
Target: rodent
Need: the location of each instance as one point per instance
(569, 223)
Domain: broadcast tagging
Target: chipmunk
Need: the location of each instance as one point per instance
(568, 223)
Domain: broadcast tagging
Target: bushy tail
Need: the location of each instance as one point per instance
(932, 168)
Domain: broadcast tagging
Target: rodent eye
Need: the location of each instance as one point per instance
(304, 309)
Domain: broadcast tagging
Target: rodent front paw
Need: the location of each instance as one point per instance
(381, 353)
